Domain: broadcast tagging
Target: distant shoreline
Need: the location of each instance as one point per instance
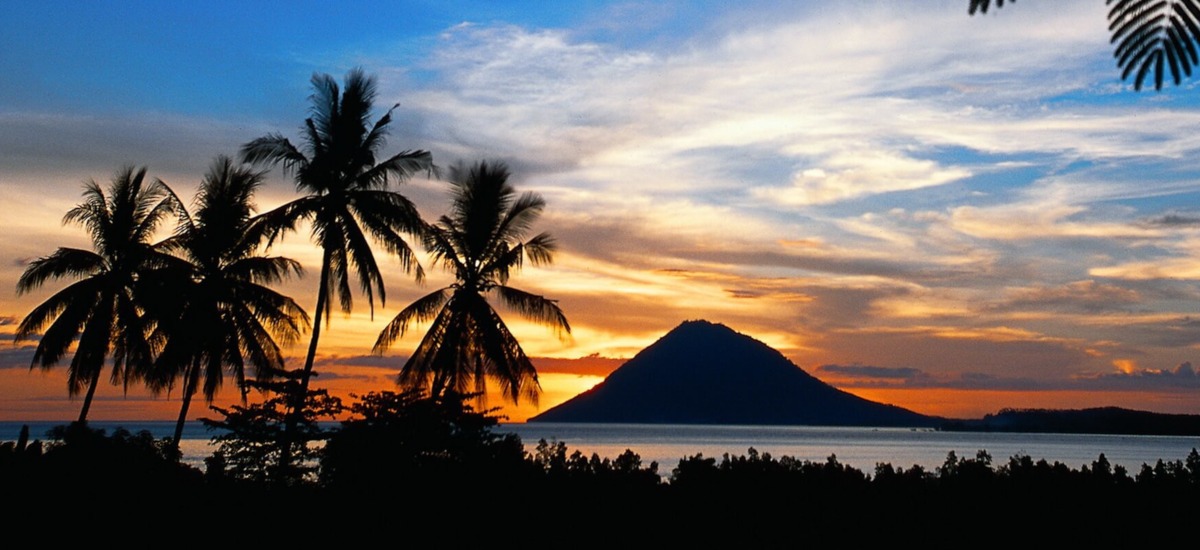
(1093, 421)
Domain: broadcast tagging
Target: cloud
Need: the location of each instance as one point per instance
(1038, 221)
(1170, 268)
(867, 371)
(859, 173)
(1182, 377)
(391, 362)
(17, 357)
(1175, 219)
(1087, 295)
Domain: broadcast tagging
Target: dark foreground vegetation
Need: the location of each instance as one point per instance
(415, 468)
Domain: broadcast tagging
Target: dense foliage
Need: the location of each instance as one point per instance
(429, 462)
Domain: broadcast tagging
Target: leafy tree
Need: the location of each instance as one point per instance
(101, 312)
(346, 198)
(1151, 37)
(215, 312)
(408, 438)
(253, 441)
(480, 242)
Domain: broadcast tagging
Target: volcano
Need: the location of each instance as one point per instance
(706, 373)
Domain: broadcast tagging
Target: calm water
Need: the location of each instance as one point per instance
(861, 448)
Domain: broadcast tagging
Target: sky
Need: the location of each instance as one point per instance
(954, 214)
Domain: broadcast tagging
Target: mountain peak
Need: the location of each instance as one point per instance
(703, 372)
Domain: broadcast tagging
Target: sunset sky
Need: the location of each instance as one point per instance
(953, 214)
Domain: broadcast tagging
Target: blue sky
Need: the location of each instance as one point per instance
(946, 212)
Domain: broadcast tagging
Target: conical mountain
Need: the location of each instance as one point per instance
(706, 373)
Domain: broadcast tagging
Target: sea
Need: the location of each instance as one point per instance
(862, 448)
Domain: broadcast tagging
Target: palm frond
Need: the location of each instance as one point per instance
(399, 167)
(339, 281)
(64, 313)
(153, 204)
(541, 248)
(273, 149)
(1154, 37)
(63, 263)
(386, 215)
(439, 241)
(536, 308)
(421, 368)
(272, 225)
(420, 311)
(362, 260)
(92, 349)
(983, 5)
(264, 269)
(503, 359)
(521, 216)
(324, 111)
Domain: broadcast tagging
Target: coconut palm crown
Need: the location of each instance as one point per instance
(216, 315)
(480, 241)
(346, 198)
(100, 313)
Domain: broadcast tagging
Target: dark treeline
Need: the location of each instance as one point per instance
(403, 461)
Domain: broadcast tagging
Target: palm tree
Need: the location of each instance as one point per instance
(480, 242)
(1152, 36)
(214, 312)
(346, 194)
(100, 313)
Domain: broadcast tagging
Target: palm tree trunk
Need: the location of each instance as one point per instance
(322, 305)
(297, 400)
(87, 399)
(189, 389)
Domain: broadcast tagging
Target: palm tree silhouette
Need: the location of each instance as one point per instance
(214, 312)
(479, 241)
(346, 195)
(101, 312)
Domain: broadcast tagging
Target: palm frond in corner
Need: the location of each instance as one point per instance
(982, 6)
(1156, 36)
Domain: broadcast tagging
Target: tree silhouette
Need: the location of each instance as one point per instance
(101, 312)
(479, 241)
(254, 443)
(346, 197)
(215, 313)
(1156, 37)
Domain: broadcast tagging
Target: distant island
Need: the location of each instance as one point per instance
(706, 373)
(1100, 420)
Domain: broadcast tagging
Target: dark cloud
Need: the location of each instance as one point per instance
(1180, 333)
(374, 361)
(867, 371)
(1182, 377)
(868, 376)
(16, 357)
(1175, 219)
(77, 144)
(1088, 295)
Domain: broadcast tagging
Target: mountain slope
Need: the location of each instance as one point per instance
(706, 373)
